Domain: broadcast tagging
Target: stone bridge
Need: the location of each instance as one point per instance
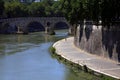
(31, 24)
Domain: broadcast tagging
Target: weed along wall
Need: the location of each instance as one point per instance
(101, 41)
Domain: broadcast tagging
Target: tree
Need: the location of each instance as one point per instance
(48, 7)
(105, 10)
(1, 7)
(36, 9)
(110, 12)
(44, 8)
(13, 8)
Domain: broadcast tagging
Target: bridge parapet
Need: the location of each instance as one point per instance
(33, 18)
(23, 22)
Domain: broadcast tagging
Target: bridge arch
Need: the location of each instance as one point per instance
(35, 26)
(6, 28)
(32, 24)
(61, 25)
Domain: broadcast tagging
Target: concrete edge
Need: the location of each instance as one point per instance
(99, 58)
(101, 72)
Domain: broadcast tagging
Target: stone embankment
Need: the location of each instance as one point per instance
(67, 50)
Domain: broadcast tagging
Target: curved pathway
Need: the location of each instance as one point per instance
(66, 49)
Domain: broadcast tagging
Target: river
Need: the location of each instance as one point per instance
(27, 57)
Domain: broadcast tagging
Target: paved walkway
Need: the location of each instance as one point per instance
(66, 49)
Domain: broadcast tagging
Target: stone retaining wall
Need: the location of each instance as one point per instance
(104, 42)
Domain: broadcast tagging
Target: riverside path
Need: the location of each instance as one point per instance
(66, 49)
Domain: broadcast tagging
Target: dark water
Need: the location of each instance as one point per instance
(26, 57)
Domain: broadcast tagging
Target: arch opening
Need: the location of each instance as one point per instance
(61, 25)
(35, 27)
(6, 28)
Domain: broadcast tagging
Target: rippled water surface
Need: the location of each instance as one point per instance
(27, 57)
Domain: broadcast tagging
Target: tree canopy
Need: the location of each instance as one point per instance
(45, 8)
(95, 10)
(1, 7)
(75, 11)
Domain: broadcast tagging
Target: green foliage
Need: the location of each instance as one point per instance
(95, 10)
(75, 11)
(52, 50)
(11, 0)
(57, 9)
(36, 9)
(44, 8)
(13, 9)
(1, 7)
(110, 11)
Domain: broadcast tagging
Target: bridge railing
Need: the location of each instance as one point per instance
(32, 18)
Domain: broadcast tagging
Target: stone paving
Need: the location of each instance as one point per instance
(66, 49)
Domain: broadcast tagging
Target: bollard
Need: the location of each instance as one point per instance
(85, 68)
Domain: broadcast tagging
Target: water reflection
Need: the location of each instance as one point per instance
(26, 57)
(10, 44)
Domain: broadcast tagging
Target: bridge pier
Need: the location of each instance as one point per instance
(21, 30)
(49, 30)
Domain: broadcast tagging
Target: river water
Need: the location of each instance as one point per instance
(27, 57)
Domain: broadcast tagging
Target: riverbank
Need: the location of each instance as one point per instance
(67, 50)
